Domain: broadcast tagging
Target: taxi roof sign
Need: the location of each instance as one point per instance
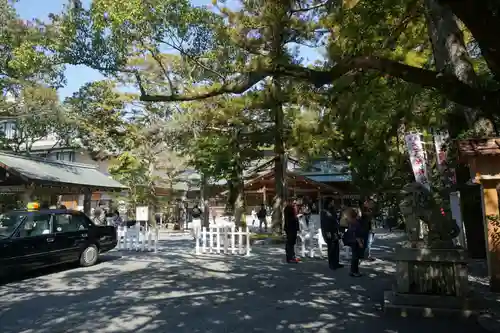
(33, 206)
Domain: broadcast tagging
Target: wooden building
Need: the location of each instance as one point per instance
(483, 158)
(312, 184)
(27, 179)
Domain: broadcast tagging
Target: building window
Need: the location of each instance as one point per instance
(67, 156)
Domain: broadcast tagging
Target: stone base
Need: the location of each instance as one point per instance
(424, 271)
(430, 306)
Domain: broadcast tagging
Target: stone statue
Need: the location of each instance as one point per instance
(417, 205)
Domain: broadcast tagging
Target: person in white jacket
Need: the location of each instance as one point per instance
(196, 224)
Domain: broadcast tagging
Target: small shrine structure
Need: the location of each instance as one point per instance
(30, 178)
(483, 158)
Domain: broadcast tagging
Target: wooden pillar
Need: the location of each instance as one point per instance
(55, 200)
(87, 202)
(492, 233)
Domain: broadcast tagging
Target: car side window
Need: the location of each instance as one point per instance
(69, 223)
(36, 225)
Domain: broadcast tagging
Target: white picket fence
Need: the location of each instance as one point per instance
(137, 238)
(311, 242)
(223, 239)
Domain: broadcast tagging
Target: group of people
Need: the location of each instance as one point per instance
(352, 227)
(301, 208)
(105, 216)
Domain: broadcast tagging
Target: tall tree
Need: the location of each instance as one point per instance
(256, 36)
(259, 56)
(34, 114)
(27, 52)
(98, 112)
(398, 15)
(222, 136)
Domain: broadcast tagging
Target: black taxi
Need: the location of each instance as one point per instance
(35, 238)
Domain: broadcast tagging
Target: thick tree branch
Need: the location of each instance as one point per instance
(448, 85)
(306, 9)
(237, 86)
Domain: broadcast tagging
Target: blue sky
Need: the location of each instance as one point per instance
(78, 75)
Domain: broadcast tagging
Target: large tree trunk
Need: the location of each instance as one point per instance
(277, 53)
(450, 56)
(279, 161)
(231, 198)
(236, 198)
(482, 18)
(204, 201)
(239, 204)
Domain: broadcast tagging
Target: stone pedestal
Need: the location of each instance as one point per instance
(430, 282)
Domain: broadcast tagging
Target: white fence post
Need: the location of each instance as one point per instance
(150, 240)
(233, 245)
(222, 239)
(136, 238)
(247, 232)
(240, 240)
(204, 240)
(157, 237)
(143, 240)
(226, 240)
(218, 249)
(197, 244)
(210, 239)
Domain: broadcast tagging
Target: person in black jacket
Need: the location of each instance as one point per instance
(291, 230)
(331, 235)
(262, 216)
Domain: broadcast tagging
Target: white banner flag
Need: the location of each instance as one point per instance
(440, 140)
(417, 158)
(447, 173)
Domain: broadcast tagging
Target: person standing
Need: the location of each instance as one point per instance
(306, 210)
(117, 220)
(196, 224)
(291, 231)
(367, 226)
(262, 216)
(354, 238)
(330, 233)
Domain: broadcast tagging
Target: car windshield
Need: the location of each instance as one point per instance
(9, 222)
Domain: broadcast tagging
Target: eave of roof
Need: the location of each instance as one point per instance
(42, 172)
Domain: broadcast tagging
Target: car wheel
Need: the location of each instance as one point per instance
(89, 256)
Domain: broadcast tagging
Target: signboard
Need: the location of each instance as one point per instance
(447, 173)
(141, 213)
(417, 158)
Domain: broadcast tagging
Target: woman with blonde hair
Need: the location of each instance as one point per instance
(354, 238)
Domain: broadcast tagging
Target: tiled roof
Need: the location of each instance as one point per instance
(474, 147)
(43, 171)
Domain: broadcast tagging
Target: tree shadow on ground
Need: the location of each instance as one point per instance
(177, 291)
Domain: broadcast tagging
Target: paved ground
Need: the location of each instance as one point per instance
(175, 292)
